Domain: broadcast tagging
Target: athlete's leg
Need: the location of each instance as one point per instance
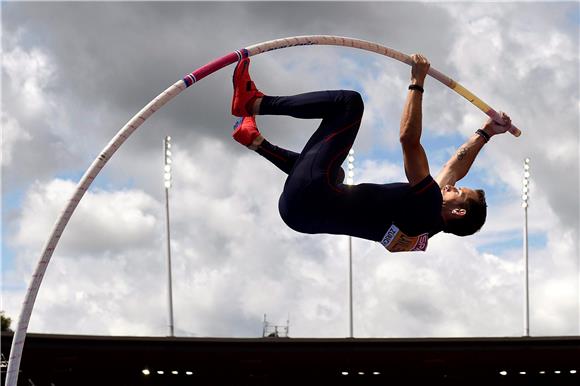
(246, 132)
(320, 160)
(311, 195)
(284, 159)
(341, 113)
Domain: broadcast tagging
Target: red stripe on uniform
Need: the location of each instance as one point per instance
(274, 154)
(330, 136)
(425, 188)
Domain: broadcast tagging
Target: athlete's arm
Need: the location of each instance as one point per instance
(458, 166)
(414, 157)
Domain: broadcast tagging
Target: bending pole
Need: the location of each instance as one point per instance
(167, 95)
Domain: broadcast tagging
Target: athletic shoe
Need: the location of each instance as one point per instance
(245, 91)
(246, 131)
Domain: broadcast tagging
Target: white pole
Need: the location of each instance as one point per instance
(526, 281)
(350, 285)
(350, 181)
(167, 178)
(525, 196)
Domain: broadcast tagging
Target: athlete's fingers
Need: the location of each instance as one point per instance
(507, 121)
(422, 58)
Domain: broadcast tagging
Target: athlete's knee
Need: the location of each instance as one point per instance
(354, 101)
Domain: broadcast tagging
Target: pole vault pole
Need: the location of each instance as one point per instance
(159, 101)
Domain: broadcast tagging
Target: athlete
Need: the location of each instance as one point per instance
(401, 216)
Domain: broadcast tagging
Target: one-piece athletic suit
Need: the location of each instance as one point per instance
(399, 216)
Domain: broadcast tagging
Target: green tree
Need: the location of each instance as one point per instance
(6, 321)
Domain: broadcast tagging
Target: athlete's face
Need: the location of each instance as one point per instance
(453, 196)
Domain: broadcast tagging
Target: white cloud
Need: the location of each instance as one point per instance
(383, 106)
(104, 221)
(378, 172)
(26, 75)
(29, 73)
(450, 291)
(12, 136)
(35, 124)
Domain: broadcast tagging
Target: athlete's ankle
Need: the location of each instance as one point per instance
(256, 106)
(257, 142)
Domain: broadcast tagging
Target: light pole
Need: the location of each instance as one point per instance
(350, 181)
(167, 182)
(525, 197)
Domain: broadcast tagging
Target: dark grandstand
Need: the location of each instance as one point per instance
(63, 360)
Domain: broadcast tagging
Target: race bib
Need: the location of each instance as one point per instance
(397, 241)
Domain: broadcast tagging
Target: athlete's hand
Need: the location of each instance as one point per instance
(492, 128)
(419, 68)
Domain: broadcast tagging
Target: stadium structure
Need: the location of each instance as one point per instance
(67, 360)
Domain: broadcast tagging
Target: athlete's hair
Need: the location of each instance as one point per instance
(476, 212)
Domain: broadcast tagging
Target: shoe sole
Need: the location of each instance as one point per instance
(238, 126)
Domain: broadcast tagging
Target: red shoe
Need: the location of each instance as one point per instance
(245, 91)
(246, 131)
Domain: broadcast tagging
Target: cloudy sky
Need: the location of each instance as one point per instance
(74, 73)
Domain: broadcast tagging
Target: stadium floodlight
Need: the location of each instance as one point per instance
(168, 161)
(167, 182)
(525, 205)
(350, 166)
(350, 181)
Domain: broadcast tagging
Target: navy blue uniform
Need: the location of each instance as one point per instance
(400, 216)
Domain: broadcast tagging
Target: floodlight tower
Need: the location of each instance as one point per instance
(167, 182)
(350, 181)
(525, 197)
